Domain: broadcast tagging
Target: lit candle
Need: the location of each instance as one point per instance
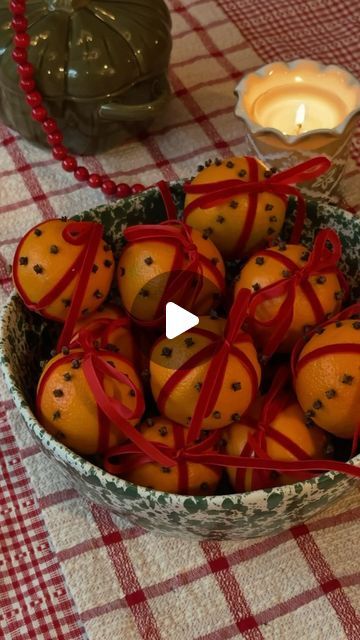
(299, 117)
(278, 107)
(296, 110)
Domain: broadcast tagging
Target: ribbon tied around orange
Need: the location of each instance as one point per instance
(323, 259)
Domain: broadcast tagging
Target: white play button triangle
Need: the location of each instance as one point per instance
(178, 320)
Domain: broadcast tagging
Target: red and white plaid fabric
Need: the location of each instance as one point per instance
(68, 569)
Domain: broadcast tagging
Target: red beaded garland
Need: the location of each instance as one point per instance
(39, 113)
(34, 99)
(25, 70)
(123, 190)
(17, 8)
(49, 125)
(56, 137)
(69, 163)
(19, 54)
(19, 23)
(94, 180)
(108, 187)
(59, 152)
(81, 174)
(21, 39)
(27, 85)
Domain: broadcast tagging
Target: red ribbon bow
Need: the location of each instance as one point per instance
(323, 259)
(178, 455)
(178, 235)
(98, 331)
(278, 184)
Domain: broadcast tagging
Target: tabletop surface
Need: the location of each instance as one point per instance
(70, 570)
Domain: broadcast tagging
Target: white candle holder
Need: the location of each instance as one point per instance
(295, 110)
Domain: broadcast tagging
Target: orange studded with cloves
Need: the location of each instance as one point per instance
(108, 328)
(279, 264)
(327, 377)
(68, 409)
(200, 479)
(308, 441)
(176, 385)
(46, 271)
(227, 222)
(148, 267)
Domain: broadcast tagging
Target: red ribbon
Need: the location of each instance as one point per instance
(121, 460)
(85, 234)
(218, 352)
(95, 368)
(275, 401)
(98, 331)
(278, 184)
(178, 235)
(178, 455)
(170, 207)
(321, 260)
(296, 361)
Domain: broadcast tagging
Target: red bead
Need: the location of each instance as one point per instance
(39, 113)
(17, 8)
(27, 85)
(69, 163)
(81, 174)
(108, 187)
(21, 40)
(26, 70)
(59, 152)
(49, 125)
(137, 188)
(34, 99)
(19, 55)
(123, 190)
(55, 138)
(19, 23)
(94, 180)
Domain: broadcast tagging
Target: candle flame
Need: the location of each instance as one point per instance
(300, 115)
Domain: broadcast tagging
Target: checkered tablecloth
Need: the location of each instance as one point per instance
(68, 569)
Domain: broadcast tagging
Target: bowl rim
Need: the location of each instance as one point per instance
(86, 468)
(256, 129)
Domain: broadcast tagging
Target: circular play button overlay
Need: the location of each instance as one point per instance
(183, 310)
(190, 291)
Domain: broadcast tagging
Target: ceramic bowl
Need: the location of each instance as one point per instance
(256, 513)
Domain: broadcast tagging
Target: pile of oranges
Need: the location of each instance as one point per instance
(271, 372)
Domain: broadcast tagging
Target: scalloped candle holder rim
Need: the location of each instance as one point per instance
(256, 128)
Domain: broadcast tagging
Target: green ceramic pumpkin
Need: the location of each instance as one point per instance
(101, 66)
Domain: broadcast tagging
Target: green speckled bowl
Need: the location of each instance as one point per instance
(246, 515)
